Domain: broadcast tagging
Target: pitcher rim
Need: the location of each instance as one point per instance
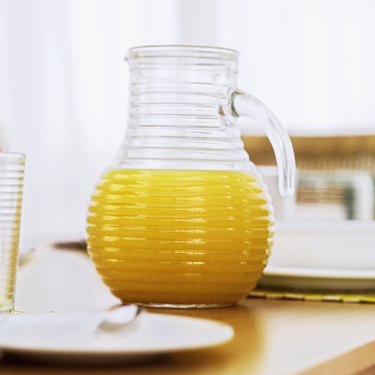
(225, 53)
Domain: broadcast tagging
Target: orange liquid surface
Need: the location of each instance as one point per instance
(178, 237)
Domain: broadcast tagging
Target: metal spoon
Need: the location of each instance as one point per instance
(119, 317)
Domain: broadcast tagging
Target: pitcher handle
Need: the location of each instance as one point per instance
(246, 105)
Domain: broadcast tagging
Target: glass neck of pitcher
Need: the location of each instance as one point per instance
(180, 110)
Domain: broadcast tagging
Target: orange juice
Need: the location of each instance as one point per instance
(179, 237)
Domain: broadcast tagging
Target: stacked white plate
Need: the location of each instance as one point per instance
(324, 254)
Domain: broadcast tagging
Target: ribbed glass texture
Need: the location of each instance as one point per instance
(181, 218)
(180, 110)
(11, 188)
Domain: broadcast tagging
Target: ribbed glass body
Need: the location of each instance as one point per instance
(181, 218)
(180, 111)
(11, 187)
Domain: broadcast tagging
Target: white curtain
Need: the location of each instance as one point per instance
(63, 84)
(311, 61)
(63, 81)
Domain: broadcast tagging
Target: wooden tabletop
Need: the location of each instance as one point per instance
(272, 337)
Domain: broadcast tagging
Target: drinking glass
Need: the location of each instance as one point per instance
(12, 167)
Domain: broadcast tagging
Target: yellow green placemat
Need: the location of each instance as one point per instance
(346, 297)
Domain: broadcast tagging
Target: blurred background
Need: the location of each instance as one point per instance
(63, 92)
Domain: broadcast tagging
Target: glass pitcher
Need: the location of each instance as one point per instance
(182, 217)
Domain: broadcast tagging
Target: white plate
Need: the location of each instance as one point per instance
(318, 279)
(324, 244)
(71, 338)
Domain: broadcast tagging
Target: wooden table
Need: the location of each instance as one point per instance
(271, 336)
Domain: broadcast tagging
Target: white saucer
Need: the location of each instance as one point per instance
(324, 244)
(318, 279)
(71, 338)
